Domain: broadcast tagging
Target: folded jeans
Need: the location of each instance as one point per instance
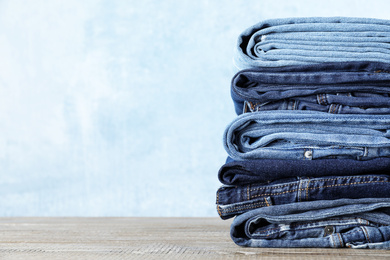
(266, 170)
(354, 223)
(310, 40)
(235, 200)
(307, 135)
(354, 84)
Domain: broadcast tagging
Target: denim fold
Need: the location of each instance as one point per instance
(347, 87)
(353, 223)
(235, 200)
(307, 135)
(265, 170)
(309, 40)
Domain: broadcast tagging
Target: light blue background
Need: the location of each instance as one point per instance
(117, 108)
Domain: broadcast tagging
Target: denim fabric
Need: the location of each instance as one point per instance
(292, 41)
(350, 87)
(307, 135)
(234, 200)
(355, 223)
(265, 170)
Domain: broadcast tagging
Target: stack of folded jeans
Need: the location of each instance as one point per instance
(309, 152)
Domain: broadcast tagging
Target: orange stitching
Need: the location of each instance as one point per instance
(334, 108)
(266, 202)
(341, 242)
(219, 212)
(366, 232)
(329, 179)
(307, 190)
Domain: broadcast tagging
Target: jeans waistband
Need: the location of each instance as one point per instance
(332, 108)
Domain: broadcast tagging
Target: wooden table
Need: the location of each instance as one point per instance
(143, 238)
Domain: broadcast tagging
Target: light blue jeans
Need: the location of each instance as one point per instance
(307, 135)
(354, 223)
(308, 40)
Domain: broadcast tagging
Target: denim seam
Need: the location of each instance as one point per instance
(324, 99)
(310, 148)
(313, 188)
(266, 202)
(318, 99)
(332, 238)
(218, 209)
(352, 118)
(328, 179)
(366, 234)
(299, 190)
(340, 240)
(330, 109)
(243, 207)
(307, 189)
(333, 108)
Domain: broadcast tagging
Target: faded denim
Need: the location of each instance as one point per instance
(354, 223)
(310, 40)
(307, 135)
(349, 87)
(266, 170)
(235, 200)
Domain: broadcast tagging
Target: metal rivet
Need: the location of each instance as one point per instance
(308, 154)
(328, 230)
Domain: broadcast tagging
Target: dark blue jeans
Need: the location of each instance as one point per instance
(358, 87)
(265, 170)
(235, 200)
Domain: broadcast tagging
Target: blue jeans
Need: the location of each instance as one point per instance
(307, 135)
(292, 41)
(354, 223)
(349, 87)
(266, 170)
(235, 200)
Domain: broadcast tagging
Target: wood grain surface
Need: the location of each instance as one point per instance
(143, 238)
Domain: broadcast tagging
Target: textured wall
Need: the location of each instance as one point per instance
(117, 108)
